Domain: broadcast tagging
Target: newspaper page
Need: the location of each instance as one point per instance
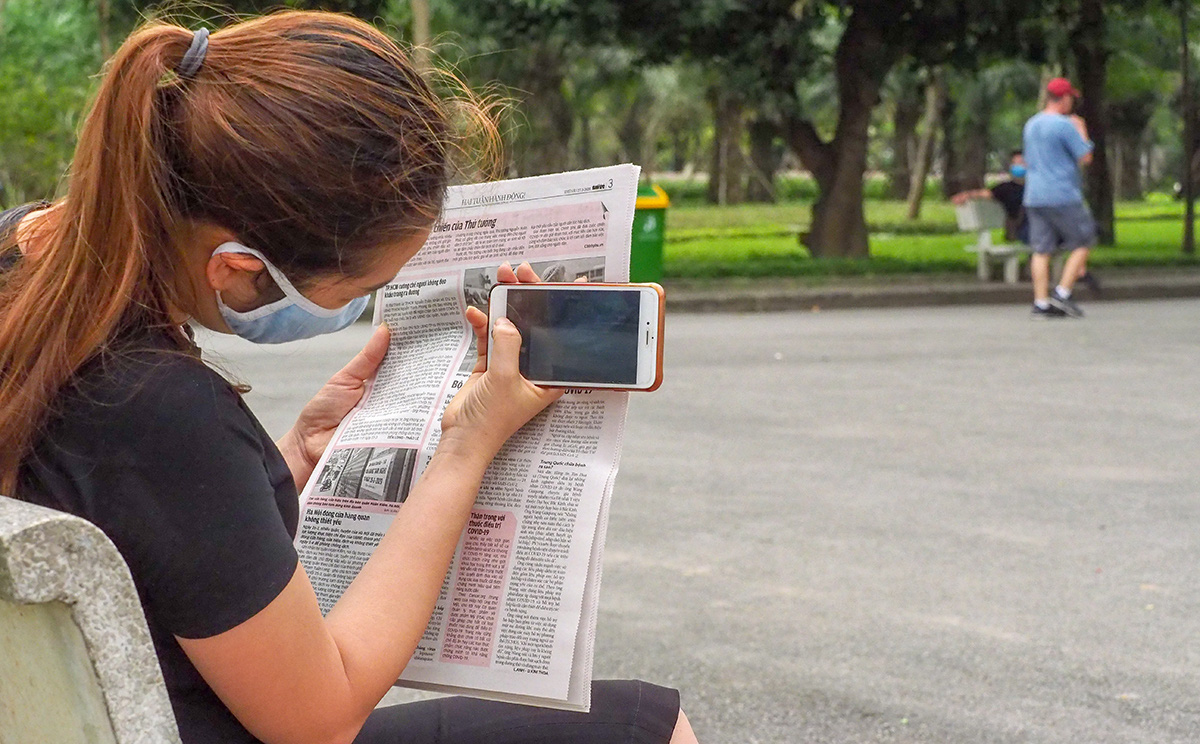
(516, 616)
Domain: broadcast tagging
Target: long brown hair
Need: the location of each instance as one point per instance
(311, 136)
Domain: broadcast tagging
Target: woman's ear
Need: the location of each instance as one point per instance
(234, 276)
(231, 272)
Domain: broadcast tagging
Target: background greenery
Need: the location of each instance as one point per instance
(747, 113)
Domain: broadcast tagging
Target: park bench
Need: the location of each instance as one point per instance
(77, 665)
(982, 216)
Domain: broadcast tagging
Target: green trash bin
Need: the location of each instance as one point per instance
(649, 230)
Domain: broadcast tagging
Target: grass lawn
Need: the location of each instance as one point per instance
(759, 240)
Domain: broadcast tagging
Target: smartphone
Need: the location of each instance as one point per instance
(585, 335)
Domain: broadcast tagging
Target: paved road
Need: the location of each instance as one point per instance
(929, 525)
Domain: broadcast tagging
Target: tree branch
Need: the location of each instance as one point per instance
(804, 140)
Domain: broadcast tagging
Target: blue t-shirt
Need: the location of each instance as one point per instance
(1053, 148)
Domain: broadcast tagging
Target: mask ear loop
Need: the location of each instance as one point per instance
(290, 292)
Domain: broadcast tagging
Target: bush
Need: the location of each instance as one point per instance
(788, 188)
(50, 54)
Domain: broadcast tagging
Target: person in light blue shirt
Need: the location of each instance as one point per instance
(1056, 145)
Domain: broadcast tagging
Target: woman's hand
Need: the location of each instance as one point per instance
(304, 444)
(496, 400)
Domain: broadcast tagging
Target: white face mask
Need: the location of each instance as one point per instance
(292, 318)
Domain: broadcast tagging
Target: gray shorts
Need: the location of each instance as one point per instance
(1063, 228)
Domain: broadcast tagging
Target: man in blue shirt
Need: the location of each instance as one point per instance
(1056, 145)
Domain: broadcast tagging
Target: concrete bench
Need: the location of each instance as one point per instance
(982, 216)
(76, 661)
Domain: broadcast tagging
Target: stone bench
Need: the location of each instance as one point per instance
(76, 661)
(982, 216)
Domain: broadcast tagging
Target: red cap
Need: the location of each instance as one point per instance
(1059, 87)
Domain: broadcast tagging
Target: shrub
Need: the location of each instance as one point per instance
(50, 55)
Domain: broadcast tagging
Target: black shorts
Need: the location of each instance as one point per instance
(629, 712)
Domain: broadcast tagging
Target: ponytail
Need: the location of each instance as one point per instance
(310, 136)
(102, 260)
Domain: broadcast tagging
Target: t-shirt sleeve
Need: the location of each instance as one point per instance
(1075, 143)
(186, 495)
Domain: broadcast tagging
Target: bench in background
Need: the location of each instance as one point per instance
(982, 216)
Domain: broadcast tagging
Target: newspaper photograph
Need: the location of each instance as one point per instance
(516, 616)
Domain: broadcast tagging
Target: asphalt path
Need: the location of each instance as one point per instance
(912, 525)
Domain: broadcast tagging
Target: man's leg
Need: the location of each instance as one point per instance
(1039, 269)
(1074, 268)
(1074, 222)
(1042, 241)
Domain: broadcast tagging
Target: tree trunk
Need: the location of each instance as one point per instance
(970, 145)
(1128, 120)
(1189, 135)
(861, 62)
(631, 130)
(904, 142)
(104, 24)
(549, 117)
(935, 101)
(725, 178)
(585, 140)
(420, 33)
(1128, 167)
(764, 160)
(1091, 57)
(679, 154)
(949, 147)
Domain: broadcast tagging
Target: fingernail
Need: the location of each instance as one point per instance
(505, 322)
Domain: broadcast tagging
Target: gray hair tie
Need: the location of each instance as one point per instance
(194, 57)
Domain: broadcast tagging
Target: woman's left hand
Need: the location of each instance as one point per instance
(304, 444)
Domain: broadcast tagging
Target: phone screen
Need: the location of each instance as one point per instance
(570, 335)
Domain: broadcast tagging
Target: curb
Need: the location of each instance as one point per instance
(770, 295)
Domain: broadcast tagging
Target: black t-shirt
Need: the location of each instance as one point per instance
(1011, 195)
(161, 453)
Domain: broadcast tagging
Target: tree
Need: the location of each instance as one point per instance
(532, 47)
(1080, 31)
(875, 37)
(935, 106)
(1189, 131)
(767, 47)
(982, 96)
(46, 76)
(1091, 48)
(904, 90)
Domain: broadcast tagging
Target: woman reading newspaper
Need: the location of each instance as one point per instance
(262, 181)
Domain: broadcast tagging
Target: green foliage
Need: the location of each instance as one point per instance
(757, 241)
(50, 54)
(365, 9)
(789, 188)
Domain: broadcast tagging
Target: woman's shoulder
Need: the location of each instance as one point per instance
(145, 379)
(9, 219)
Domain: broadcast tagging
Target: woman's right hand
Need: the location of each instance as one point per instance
(496, 400)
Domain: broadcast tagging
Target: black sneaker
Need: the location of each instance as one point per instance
(1065, 304)
(1046, 313)
(1092, 282)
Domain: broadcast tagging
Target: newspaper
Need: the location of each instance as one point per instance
(516, 616)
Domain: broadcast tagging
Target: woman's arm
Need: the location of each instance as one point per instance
(291, 676)
(963, 197)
